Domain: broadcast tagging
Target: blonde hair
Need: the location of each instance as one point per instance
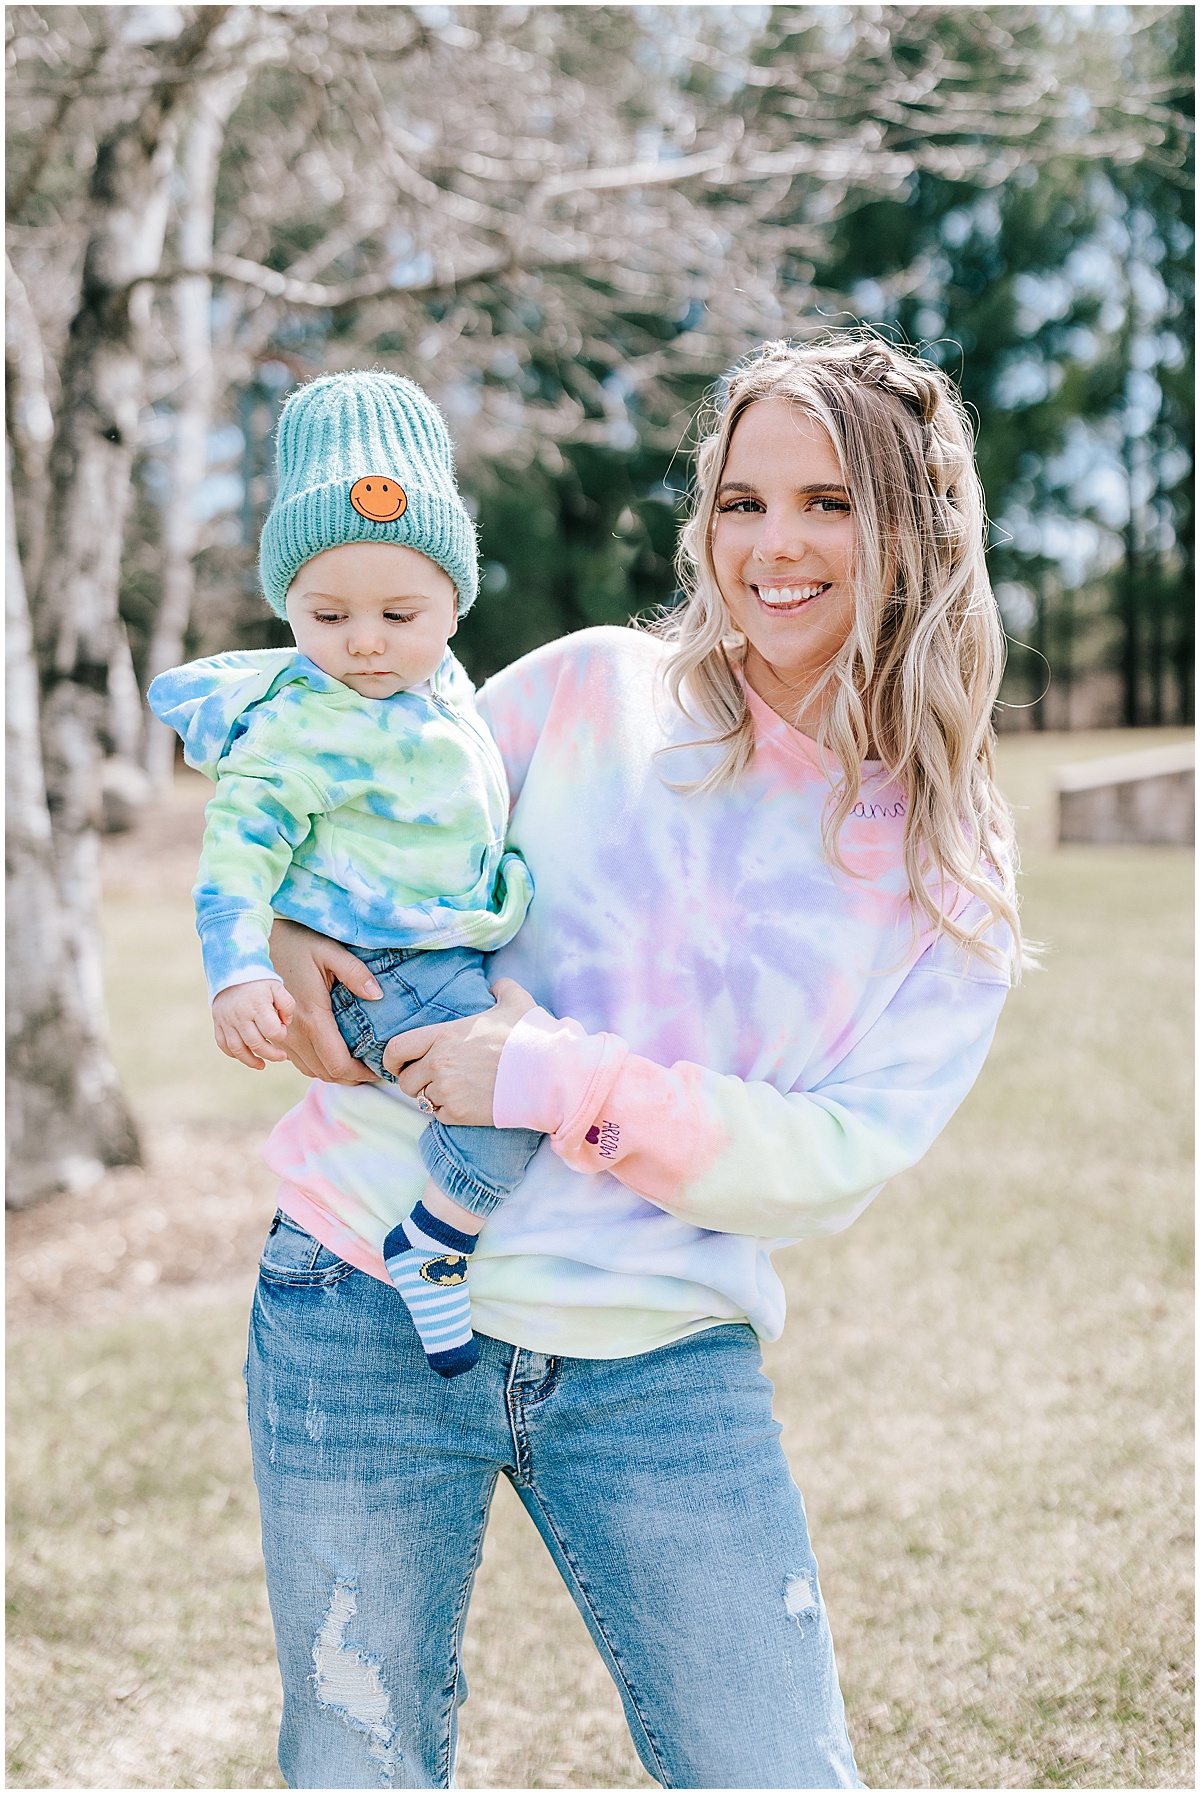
(918, 675)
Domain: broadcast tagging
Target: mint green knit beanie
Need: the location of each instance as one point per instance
(365, 457)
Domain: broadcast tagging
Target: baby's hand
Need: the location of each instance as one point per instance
(248, 1019)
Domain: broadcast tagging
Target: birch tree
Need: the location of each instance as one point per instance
(66, 1086)
(66, 1117)
(192, 368)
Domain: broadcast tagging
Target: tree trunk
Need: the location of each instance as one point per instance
(1156, 592)
(193, 414)
(1040, 659)
(81, 646)
(66, 1116)
(1184, 645)
(1131, 657)
(29, 423)
(1066, 657)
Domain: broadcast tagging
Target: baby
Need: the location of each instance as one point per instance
(359, 792)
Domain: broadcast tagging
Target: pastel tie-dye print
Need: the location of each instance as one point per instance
(377, 821)
(752, 1042)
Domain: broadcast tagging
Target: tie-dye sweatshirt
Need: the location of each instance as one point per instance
(377, 821)
(736, 1043)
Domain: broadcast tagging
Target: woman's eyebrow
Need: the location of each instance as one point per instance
(802, 491)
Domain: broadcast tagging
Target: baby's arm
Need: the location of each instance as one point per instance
(260, 813)
(250, 1020)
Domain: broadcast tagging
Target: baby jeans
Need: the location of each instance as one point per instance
(475, 1166)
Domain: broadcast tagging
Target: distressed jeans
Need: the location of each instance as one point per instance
(657, 1483)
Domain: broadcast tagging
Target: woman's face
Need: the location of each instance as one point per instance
(783, 548)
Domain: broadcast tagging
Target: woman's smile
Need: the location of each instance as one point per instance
(790, 597)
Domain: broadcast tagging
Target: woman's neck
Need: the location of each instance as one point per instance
(786, 697)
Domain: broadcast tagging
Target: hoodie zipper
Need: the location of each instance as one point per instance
(492, 753)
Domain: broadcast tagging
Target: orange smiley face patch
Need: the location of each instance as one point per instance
(379, 498)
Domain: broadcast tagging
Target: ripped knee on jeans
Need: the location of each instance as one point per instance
(348, 1682)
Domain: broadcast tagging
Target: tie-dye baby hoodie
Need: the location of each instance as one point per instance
(736, 1043)
(376, 821)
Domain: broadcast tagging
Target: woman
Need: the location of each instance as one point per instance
(772, 935)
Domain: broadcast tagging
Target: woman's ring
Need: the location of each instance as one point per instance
(424, 1104)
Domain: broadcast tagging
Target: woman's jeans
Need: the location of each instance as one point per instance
(657, 1483)
(477, 1166)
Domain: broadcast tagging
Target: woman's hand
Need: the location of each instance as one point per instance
(309, 964)
(454, 1064)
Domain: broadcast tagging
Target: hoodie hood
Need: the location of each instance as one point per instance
(206, 701)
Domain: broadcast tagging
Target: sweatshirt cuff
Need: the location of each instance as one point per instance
(552, 1076)
(235, 951)
(247, 975)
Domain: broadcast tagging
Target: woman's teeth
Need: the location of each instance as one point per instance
(785, 595)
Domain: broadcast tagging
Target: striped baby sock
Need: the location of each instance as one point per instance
(426, 1259)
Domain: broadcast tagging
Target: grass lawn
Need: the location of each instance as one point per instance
(984, 1385)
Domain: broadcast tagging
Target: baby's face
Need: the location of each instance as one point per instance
(375, 616)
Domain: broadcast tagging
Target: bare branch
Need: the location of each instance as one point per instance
(638, 174)
(48, 141)
(306, 292)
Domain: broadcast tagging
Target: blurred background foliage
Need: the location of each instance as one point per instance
(568, 221)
